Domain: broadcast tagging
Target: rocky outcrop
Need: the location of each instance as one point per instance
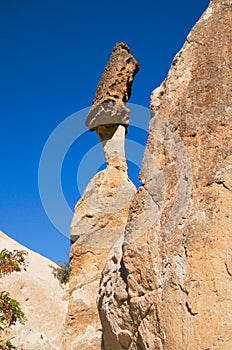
(169, 286)
(41, 298)
(163, 253)
(101, 214)
(114, 89)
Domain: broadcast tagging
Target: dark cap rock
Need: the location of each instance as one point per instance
(114, 89)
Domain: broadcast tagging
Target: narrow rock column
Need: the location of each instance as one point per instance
(113, 140)
(100, 216)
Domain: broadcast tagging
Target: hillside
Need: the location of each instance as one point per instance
(41, 297)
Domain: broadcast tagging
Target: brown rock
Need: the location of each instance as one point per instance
(108, 113)
(170, 287)
(114, 89)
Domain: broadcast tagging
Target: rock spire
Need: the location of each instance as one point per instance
(100, 215)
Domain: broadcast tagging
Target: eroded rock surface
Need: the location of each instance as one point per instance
(169, 287)
(101, 214)
(114, 89)
(98, 224)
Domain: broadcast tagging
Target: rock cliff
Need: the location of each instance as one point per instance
(169, 286)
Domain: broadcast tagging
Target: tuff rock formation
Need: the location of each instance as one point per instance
(156, 261)
(169, 286)
(41, 297)
(101, 214)
(114, 89)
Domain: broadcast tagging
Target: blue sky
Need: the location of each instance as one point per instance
(52, 56)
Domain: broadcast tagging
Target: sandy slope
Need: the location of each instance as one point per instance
(41, 298)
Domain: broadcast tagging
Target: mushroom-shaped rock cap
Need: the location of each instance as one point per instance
(114, 89)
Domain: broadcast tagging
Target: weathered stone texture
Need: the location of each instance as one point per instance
(117, 78)
(114, 89)
(101, 214)
(98, 224)
(170, 287)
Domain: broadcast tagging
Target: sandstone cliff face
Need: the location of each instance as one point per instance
(170, 285)
(41, 298)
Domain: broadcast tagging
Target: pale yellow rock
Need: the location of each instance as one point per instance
(100, 216)
(41, 298)
(98, 224)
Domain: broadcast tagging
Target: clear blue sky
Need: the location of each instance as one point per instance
(53, 53)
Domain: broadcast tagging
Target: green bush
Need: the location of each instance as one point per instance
(6, 345)
(12, 261)
(10, 310)
(61, 272)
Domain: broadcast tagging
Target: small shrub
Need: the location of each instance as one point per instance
(6, 345)
(61, 272)
(12, 261)
(10, 311)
